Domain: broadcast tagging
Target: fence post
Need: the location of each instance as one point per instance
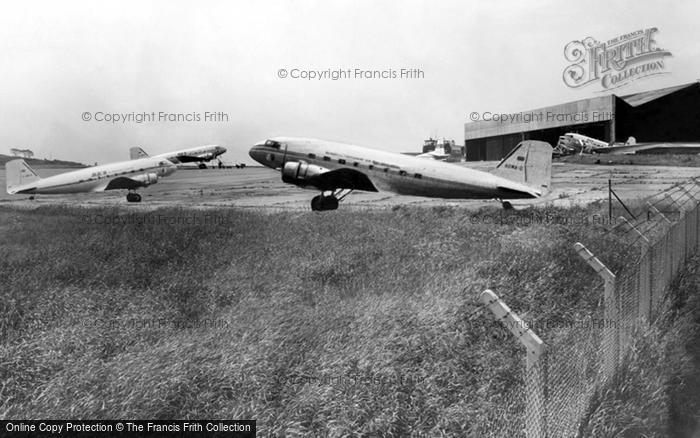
(677, 246)
(690, 228)
(644, 292)
(697, 222)
(689, 220)
(668, 248)
(645, 285)
(610, 311)
(682, 239)
(657, 212)
(535, 414)
(696, 225)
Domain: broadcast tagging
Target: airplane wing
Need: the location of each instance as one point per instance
(342, 179)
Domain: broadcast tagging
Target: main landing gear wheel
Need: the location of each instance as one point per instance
(133, 197)
(202, 166)
(322, 203)
(507, 205)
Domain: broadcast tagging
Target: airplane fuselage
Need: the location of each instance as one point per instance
(192, 155)
(398, 173)
(97, 178)
(587, 141)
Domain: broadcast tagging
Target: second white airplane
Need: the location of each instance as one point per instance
(336, 169)
(199, 154)
(126, 175)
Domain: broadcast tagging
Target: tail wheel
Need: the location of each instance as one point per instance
(133, 197)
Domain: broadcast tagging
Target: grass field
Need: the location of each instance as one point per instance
(358, 322)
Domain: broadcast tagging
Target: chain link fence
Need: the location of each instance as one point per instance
(556, 390)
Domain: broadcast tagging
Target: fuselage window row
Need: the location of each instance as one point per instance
(343, 161)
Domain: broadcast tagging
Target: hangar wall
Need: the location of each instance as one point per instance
(555, 116)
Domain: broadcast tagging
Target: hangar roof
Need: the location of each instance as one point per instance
(591, 110)
(637, 99)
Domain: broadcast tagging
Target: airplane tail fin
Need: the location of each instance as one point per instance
(137, 153)
(18, 173)
(529, 163)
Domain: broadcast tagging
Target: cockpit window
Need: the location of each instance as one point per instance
(273, 144)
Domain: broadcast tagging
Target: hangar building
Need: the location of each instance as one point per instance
(664, 115)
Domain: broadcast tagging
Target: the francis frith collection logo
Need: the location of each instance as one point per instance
(615, 62)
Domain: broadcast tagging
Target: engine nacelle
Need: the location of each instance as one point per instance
(146, 179)
(299, 172)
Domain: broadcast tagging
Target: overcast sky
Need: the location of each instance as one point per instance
(61, 59)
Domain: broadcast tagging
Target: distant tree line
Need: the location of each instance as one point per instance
(24, 153)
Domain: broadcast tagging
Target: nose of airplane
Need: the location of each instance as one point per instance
(256, 154)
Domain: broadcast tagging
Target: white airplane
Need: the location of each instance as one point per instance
(571, 143)
(126, 175)
(198, 154)
(341, 168)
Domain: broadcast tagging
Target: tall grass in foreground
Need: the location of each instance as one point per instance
(353, 322)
